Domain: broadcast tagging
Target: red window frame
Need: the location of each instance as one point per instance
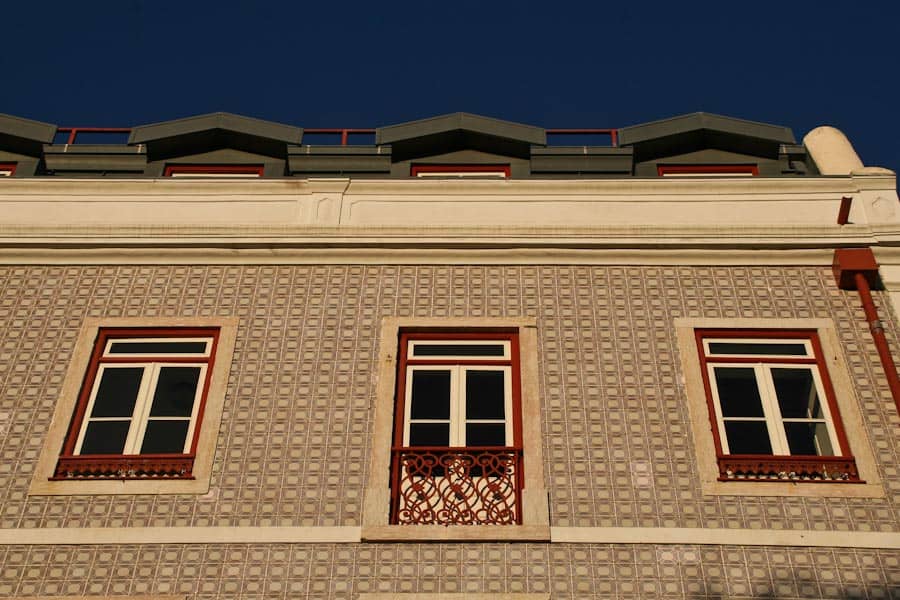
(512, 452)
(450, 169)
(213, 170)
(663, 170)
(134, 466)
(771, 467)
(11, 167)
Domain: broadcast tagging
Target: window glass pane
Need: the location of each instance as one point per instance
(748, 437)
(738, 392)
(118, 392)
(157, 347)
(430, 395)
(808, 438)
(758, 348)
(498, 350)
(429, 434)
(485, 398)
(797, 394)
(165, 437)
(485, 434)
(105, 437)
(175, 392)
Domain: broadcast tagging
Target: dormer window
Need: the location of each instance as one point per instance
(461, 171)
(707, 170)
(239, 171)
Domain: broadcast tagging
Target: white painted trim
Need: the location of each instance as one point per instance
(352, 535)
(439, 596)
(725, 537)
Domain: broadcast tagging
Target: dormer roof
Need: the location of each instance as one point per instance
(24, 136)
(203, 133)
(701, 131)
(459, 131)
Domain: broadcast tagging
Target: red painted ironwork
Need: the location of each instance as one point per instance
(824, 469)
(138, 466)
(457, 486)
(844, 211)
(74, 131)
(343, 131)
(612, 133)
(877, 329)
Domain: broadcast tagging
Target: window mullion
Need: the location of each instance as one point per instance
(774, 422)
(508, 404)
(457, 407)
(141, 410)
(407, 402)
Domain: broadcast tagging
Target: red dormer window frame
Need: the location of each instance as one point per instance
(663, 170)
(8, 166)
(450, 170)
(170, 170)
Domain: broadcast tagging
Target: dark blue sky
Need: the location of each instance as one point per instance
(367, 64)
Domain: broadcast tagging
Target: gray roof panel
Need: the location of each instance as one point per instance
(27, 129)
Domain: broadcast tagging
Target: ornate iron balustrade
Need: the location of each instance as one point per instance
(456, 486)
(826, 469)
(138, 466)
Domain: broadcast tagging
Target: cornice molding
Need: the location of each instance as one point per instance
(630, 186)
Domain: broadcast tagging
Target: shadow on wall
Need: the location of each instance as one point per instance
(786, 588)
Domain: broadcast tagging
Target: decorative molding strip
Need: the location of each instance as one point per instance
(410, 256)
(352, 535)
(438, 596)
(627, 185)
(725, 537)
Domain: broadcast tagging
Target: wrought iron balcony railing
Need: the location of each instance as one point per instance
(456, 486)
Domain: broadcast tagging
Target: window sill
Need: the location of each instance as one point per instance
(481, 533)
(795, 469)
(140, 467)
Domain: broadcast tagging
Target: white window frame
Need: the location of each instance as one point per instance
(771, 410)
(832, 358)
(535, 524)
(140, 418)
(58, 433)
(458, 418)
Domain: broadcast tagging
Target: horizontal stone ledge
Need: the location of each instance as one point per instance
(416, 256)
(725, 537)
(353, 534)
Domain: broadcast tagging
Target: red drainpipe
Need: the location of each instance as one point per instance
(856, 268)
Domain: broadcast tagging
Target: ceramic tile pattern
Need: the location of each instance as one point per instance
(344, 571)
(294, 443)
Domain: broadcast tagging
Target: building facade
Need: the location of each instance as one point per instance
(453, 358)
